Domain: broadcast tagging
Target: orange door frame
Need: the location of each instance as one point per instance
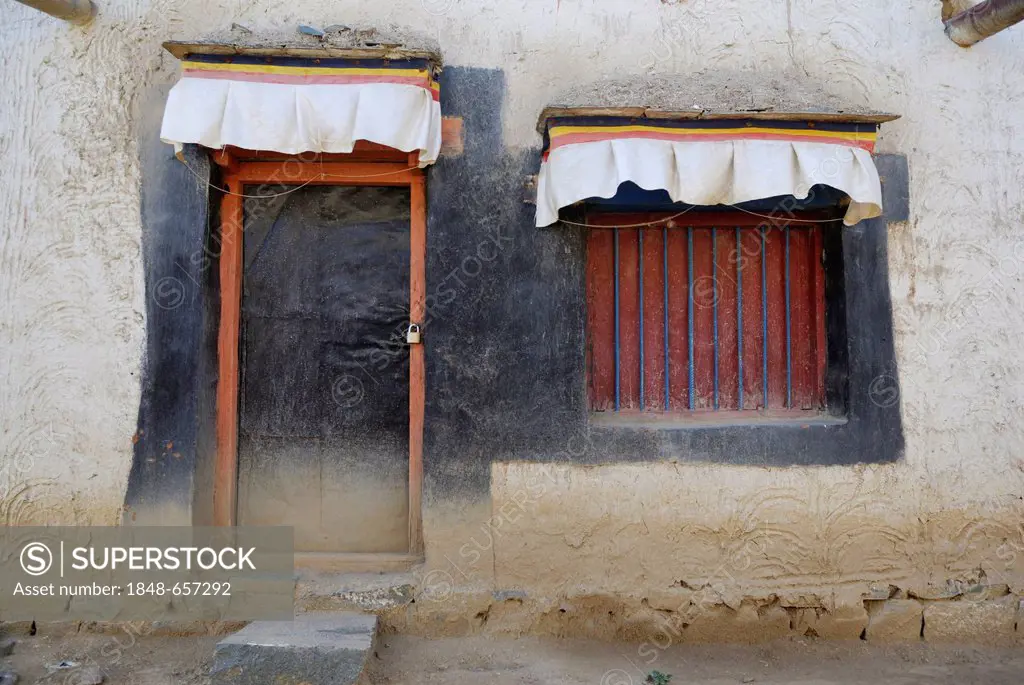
(367, 165)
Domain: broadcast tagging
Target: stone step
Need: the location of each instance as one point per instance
(325, 649)
(359, 592)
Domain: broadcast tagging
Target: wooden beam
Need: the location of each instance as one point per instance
(225, 158)
(452, 136)
(292, 172)
(182, 49)
(73, 11)
(688, 115)
(225, 483)
(561, 112)
(704, 219)
(417, 358)
(836, 117)
(363, 151)
(984, 20)
(951, 8)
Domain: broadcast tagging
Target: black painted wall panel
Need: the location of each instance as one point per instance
(175, 381)
(505, 304)
(516, 391)
(504, 333)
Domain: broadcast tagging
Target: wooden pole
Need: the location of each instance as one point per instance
(225, 479)
(983, 20)
(74, 11)
(417, 358)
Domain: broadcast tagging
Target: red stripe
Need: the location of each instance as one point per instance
(678, 320)
(300, 80)
(654, 319)
(753, 333)
(728, 333)
(802, 310)
(703, 320)
(629, 320)
(601, 320)
(821, 353)
(775, 246)
(575, 138)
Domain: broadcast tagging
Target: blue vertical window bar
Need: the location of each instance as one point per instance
(664, 267)
(615, 251)
(789, 340)
(714, 308)
(689, 291)
(764, 318)
(640, 268)
(739, 311)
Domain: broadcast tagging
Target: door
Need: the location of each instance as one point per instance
(324, 371)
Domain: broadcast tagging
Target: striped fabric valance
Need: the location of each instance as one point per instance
(293, 104)
(707, 162)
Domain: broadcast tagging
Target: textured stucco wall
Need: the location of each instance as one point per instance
(72, 319)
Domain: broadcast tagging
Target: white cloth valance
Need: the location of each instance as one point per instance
(698, 164)
(293, 105)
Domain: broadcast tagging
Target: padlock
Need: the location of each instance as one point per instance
(412, 336)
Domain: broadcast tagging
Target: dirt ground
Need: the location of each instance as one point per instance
(126, 659)
(529, 661)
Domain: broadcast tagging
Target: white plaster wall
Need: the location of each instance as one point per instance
(72, 310)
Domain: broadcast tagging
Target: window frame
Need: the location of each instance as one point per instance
(872, 431)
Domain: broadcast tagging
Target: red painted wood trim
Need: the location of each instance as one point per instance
(225, 482)
(364, 151)
(417, 363)
(225, 158)
(452, 136)
(293, 172)
(700, 219)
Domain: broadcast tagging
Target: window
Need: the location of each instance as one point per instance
(710, 312)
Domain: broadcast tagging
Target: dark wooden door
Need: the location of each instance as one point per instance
(324, 374)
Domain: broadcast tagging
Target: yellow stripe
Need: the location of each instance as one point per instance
(557, 131)
(304, 71)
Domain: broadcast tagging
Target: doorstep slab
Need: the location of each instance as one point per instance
(313, 650)
(320, 593)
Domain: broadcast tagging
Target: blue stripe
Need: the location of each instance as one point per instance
(789, 340)
(739, 309)
(615, 237)
(640, 267)
(714, 307)
(711, 124)
(307, 62)
(689, 280)
(764, 320)
(664, 267)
